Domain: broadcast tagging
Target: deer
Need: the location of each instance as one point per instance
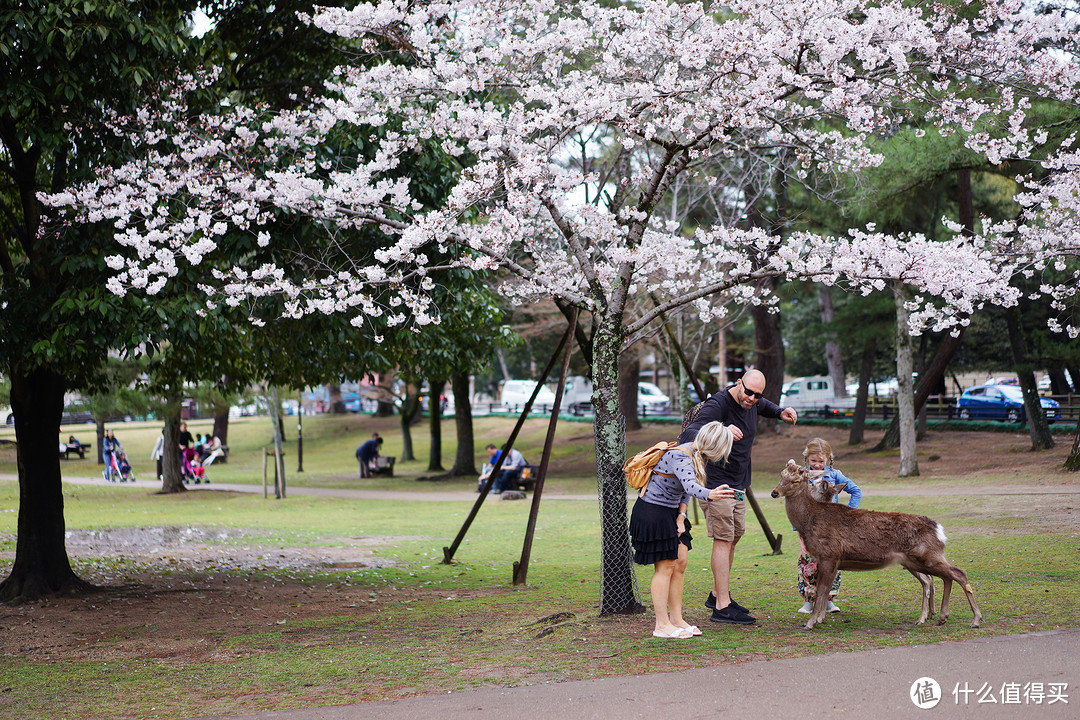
(843, 538)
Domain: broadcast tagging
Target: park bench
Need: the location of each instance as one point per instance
(66, 450)
(224, 456)
(384, 465)
(527, 480)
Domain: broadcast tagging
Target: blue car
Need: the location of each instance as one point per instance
(1000, 402)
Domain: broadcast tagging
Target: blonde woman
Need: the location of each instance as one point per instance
(659, 529)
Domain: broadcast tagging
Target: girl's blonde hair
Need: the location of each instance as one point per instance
(817, 446)
(713, 442)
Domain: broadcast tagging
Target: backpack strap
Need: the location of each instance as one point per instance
(657, 472)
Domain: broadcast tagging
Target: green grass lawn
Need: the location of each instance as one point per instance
(178, 638)
(329, 449)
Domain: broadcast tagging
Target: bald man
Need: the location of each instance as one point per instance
(737, 407)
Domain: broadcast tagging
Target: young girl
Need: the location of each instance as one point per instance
(818, 456)
(659, 529)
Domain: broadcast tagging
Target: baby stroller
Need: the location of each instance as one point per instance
(117, 467)
(126, 474)
(192, 469)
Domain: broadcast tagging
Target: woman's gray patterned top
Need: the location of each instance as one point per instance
(670, 491)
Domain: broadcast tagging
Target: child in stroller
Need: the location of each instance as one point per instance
(192, 468)
(117, 468)
(115, 460)
(122, 464)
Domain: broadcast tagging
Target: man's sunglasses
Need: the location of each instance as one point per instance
(751, 393)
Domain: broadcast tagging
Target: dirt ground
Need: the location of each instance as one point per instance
(183, 583)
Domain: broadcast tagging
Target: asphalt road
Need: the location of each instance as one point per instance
(1034, 676)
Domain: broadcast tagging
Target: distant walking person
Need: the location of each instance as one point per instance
(110, 448)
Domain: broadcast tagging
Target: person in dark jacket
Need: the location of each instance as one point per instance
(366, 454)
(738, 407)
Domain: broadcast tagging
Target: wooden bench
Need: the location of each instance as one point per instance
(80, 450)
(527, 479)
(384, 465)
(224, 456)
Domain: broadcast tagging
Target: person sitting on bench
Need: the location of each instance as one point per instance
(509, 474)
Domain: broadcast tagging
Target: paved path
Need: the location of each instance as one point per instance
(859, 685)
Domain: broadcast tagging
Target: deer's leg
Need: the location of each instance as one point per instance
(947, 581)
(955, 573)
(826, 571)
(927, 584)
(948, 573)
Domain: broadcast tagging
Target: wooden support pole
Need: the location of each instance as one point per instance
(521, 567)
(448, 552)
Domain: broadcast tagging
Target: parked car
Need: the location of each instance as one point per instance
(651, 399)
(515, 393)
(577, 395)
(1044, 382)
(815, 395)
(1000, 402)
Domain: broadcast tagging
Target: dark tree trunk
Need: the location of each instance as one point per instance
(336, 402)
(172, 480)
(221, 427)
(629, 368)
(833, 358)
(858, 422)
(927, 382)
(1041, 439)
(435, 391)
(385, 406)
(41, 566)
(1072, 463)
(99, 433)
(1058, 384)
(410, 413)
(921, 428)
(768, 353)
(465, 458)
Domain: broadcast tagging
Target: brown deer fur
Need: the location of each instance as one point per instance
(843, 538)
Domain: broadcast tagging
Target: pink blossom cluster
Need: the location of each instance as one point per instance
(667, 87)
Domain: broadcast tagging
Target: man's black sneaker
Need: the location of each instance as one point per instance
(733, 616)
(710, 602)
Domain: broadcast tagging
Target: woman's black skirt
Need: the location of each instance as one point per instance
(654, 534)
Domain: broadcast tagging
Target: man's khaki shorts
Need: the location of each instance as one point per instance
(725, 519)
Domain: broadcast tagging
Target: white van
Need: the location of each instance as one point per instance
(515, 393)
(577, 397)
(651, 399)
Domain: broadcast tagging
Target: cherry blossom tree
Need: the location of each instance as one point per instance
(659, 88)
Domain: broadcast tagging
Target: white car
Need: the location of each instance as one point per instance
(651, 399)
(516, 393)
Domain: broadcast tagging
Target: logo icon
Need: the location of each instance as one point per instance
(925, 693)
